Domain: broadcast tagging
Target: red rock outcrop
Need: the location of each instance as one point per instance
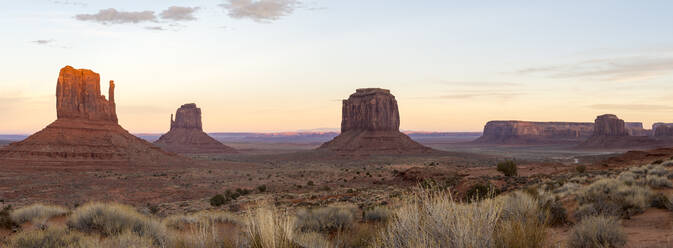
(86, 128)
(529, 133)
(371, 124)
(186, 135)
(610, 132)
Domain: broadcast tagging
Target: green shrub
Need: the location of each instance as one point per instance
(597, 232)
(508, 168)
(218, 200)
(324, 220)
(661, 201)
(52, 238)
(37, 211)
(261, 188)
(581, 168)
(479, 191)
(111, 219)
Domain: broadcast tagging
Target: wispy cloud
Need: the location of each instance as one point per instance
(67, 2)
(155, 28)
(177, 13)
(260, 10)
(610, 69)
(632, 107)
(43, 42)
(113, 16)
(481, 94)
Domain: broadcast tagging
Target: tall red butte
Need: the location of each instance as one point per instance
(371, 124)
(85, 129)
(186, 135)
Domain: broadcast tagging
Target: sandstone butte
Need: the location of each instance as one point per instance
(371, 124)
(186, 135)
(86, 128)
(610, 132)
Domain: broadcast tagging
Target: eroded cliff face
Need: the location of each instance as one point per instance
(186, 135)
(637, 129)
(663, 129)
(78, 96)
(86, 128)
(370, 109)
(370, 124)
(526, 132)
(609, 125)
(187, 116)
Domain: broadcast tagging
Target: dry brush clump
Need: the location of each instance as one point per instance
(433, 219)
(612, 197)
(111, 219)
(53, 238)
(37, 212)
(597, 232)
(269, 228)
(324, 220)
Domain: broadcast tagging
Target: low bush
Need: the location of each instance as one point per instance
(378, 214)
(479, 191)
(613, 197)
(115, 219)
(658, 170)
(180, 222)
(508, 168)
(218, 200)
(661, 201)
(523, 221)
(127, 240)
(6, 222)
(261, 188)
(656, 181)
(37, 211)
(324, 220)
(580, 168)
(52, 238)
(597, 232)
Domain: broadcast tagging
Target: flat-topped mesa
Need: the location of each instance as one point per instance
(662, 129)
(371, 124)
(527, 132)
(187, 116)
(78, 96)
(609, 125)
(370, 109)
(637, 129)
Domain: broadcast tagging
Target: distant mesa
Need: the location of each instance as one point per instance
(371, 124)
(527, 132)
(186, 135)
(85, 129)
(662, 129)
(610, 132)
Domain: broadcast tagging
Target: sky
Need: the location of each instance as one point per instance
(284, 65)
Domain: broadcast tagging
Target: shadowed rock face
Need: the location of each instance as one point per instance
(187, 116)
(186, 135)
(370, 124)
(78, 96)
(609, 125)
(663, 129)
(86, 128)
(371, 110)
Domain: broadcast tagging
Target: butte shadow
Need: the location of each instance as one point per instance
(371, 125)
(186, 135)
(86, 128)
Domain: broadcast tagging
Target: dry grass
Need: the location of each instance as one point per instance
(597, 232)
(324, 220)
(114, 219)
(433, 219)
(657, 181)
(269, 228)
(37, 212)
(127, 240)
(203, 234)
(523, 220)
(52, 238)
(180, 222)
